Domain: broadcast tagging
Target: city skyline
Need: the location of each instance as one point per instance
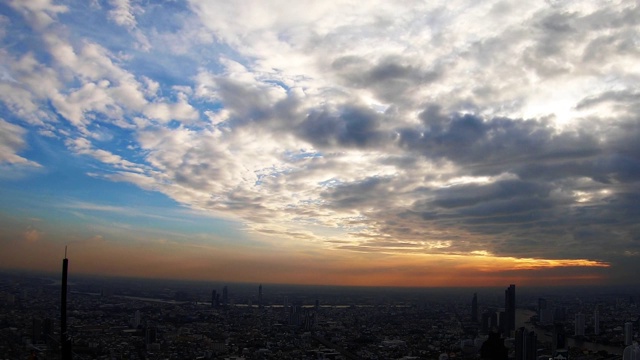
(430, 144)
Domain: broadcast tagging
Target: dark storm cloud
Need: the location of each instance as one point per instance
(250, 103)
(350, 126)
(495, 145)
(356, 194)
(468, 195)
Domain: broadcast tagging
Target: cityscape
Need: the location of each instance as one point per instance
(109, 318)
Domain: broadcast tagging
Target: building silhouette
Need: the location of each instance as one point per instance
(489, 320)
(631, 352)
(579, 325)
(474, 308)
(65, 341)
(628, 333)
(493, 348)
(510, 309)
(596, 319)
(559, 340)
(225, 296)
(526, 344)
(215, 299)
(545, 312)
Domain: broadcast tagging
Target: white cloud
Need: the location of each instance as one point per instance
(40, 13)
(11, 143)
(122, 13)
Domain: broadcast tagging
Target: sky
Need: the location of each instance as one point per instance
(377, 143)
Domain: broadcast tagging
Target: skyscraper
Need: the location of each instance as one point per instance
(510, 309)
(628, 333)
(545, 313)
(631, 352)
(225, 296)
(137, 319)
(36, 330)
(474, 308)
(559, 340)
(260, 296)
(579, 325)
(65, 342)
(214, 298)
(526, 344)
(596, 320)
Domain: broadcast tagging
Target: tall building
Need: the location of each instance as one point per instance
(596, 320)
(47, 330)
(225, 296)
(579, 325)
(65, 341)
(526, 345)
(545, 313)
(137, 319)
(489, 321)
(559, 340)
(150, 335)
(631, 352)
(628, 333)
(474, 308)
(36, 330)
(510, 309)
(260, 296)
(214, 298)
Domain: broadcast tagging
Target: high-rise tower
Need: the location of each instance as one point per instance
(65, 341)
(225, 296)
(474, 308)
(510, 309)
(628, 333)
(596, 320)
(579, 325)
(260, 296)
(526, 345)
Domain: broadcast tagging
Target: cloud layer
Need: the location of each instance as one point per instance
(439, 128)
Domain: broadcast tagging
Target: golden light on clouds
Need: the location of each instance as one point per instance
(485, 261)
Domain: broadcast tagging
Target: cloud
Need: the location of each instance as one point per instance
(11, 143)
(40, 13)
(123, 13)
(32, 236)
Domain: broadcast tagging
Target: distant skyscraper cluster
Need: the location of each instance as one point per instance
(218, 301)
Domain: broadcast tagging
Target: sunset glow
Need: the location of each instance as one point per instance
(380, 143)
